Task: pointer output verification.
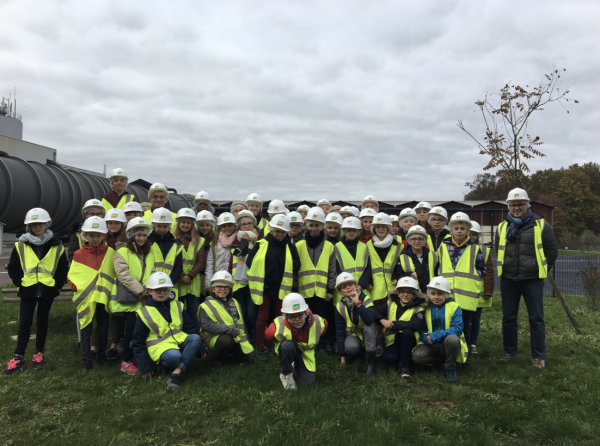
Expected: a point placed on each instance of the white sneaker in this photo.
(288, 381)
(473, 350)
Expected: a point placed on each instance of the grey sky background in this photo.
(294, 99)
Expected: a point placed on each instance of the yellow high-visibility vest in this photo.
(409, 266)
(134, 263)
(312, 280)
(465, 283)
(283, 333)
(449, 310)
(163, 336)
(382, 271)
(189, 260)
(348, 264)
(93, 287)
(125, 198)
(390, 337)
(36, 270)
(165, 265)
(256, 273)
(351, 329)
(219, 315)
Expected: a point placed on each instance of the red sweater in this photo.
(91, 256)
(113, 198)
(297, 335)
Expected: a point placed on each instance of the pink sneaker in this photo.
(38, 361)
(129, 368)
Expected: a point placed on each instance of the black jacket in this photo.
(365, 278)
(141, 332)
(165, 242)
(422, 270)
(275, 263)
(520, 262)
(381, 312)
(437, 241)
(15, 272)
(361, 312)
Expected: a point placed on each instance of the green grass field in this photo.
(491, 404)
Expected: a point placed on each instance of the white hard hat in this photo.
(322, 202)
(281, 222)
(222, 276)
(37, 215)
(335, 208)
(408, 213)
(293, 303)
(381, 218)
(367, 213)
(303, 208)
(355, 210)
(393, 218)
(460, 217)
(245, 213)
(295, 217)
(133, 206)
(476, 227)
(315, 214)
(254, 198)
(439, 283)
(185, 212)
(346, 210)
(276, 207)
(343, 278)
(94, 224)
(236, 203)
(351, 223)
(416, 230)
(423, 205)
(159, 280)
(224, 218)
(334, 217)
(437, 210)
(117, 173)
(161, 215)
(407, 282)
(517, 194)
(115, 215)
(202, 197)
(158, 186)
(370, 199)
(205, 216)
(135, 223)
(93, 203)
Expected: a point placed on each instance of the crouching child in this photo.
(441, 338)
(296, 334)
(164, 333)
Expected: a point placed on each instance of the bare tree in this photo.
(507, 141)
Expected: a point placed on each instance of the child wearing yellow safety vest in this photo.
(354, 318)
(417, 261)
(223, 330)
(255, 203)
(296, 227)
(165, 248)
(407, 219)
(273, 266)
(422, 210)
(296, 334)
(437, 219)
(118, 197)
(333, 227)
(441, 339)
(205, 224)
(164, 333)
(158, 195)
(92, 278)
(38, 266)
(401, 320)
(91, 208)
(189, 286)
(220, 254)
(132, 210)
(133, 263)
(461, 262)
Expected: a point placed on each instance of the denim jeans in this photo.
(249, 309)
(181, 357)
(532, 291)
(191, 308)
(401, 350)
(475, 325)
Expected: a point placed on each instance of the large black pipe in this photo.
(61, 192)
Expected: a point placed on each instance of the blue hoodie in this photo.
(438, 324)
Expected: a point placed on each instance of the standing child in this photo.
(38, 266)
(132, 210)
(366, 219)
(407, 219)
(255, 203)
(422, 209)
(237, 206)
(91, 208)
(133, 265)
(205, 224)
(220, 256)
(333, 227)
(370, 202)
(92, 278)
(116, 222)
(437, 218)
(203, 202)
(395, 224)
(296, 227)
(325, 206)
(117, 198)
(165, 248)
(303, 211)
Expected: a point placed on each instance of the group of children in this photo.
(172, 286)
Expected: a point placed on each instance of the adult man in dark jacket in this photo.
(527, 249)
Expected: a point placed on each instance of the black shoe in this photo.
(173, 382)
(404, 370)
(94, 354)
(217, 365)
(371, 364)
(262, 354)
(112, 355)
(88, 368)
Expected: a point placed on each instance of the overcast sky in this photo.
(294, 99)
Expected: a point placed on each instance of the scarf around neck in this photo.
(516, 223)
(38, 241)
(385, 243)
(313, 242)
(225, 241)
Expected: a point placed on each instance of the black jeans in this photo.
(225, 345)
(401, 350)
(467, 321)
(26, 309)
(101, 317)
(130, 319)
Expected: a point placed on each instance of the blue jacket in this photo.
(141, 332)
(438, 324)
(361, 312)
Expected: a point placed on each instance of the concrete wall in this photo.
(11, 127)
(26, 150)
